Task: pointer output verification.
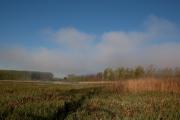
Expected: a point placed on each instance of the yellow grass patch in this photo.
(147, 85)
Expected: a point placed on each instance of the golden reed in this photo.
(147, 84)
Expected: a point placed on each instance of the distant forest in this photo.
(122, 73)
(24, 75)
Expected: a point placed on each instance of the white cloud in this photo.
(121, 42)
(163, 55)
(72, 38)
(116, 48)
(160, 26)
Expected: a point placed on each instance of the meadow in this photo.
(149, 99)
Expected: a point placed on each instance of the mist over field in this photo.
(79, 52)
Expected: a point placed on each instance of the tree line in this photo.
(123, 73)
(24, 75)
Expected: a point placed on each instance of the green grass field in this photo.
(35, 101)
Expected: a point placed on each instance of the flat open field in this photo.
(90, 101)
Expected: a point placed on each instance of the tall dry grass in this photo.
(149, 84)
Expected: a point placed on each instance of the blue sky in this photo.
(95, 33)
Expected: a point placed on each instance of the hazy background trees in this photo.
(122, 73)
(24, 75)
